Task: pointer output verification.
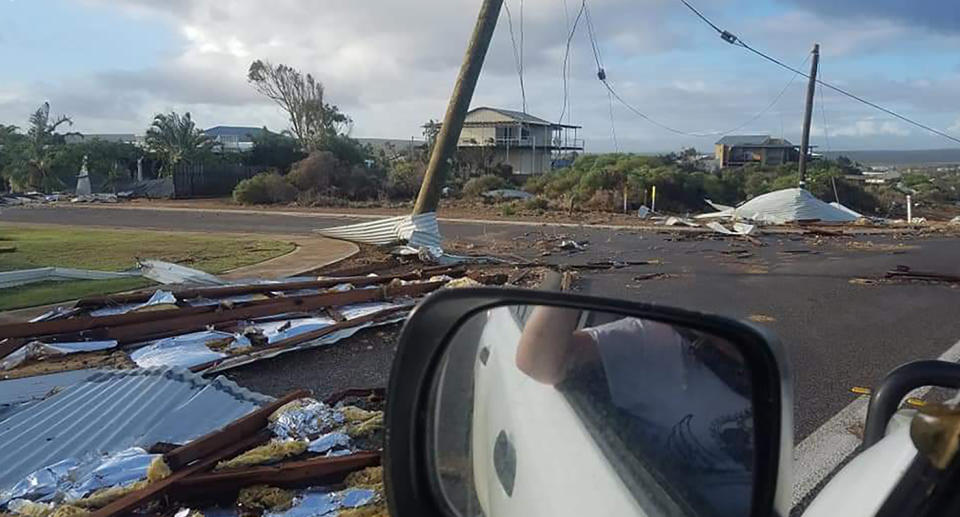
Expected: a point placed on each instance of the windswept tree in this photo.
(312, 121)
(41, 152)
(175, 139)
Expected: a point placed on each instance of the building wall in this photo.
(525, 161)
(476, 135)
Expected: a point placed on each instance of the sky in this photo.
(390, 65)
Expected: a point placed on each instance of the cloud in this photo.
(391, 66)
(940, 15)
(869, 127)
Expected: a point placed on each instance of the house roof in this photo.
(506, 116)
(754, 140)
(239, 131)
(111, 411)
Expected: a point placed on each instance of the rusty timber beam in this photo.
(243, 426)
(303, 338)
(131, 327)
(315, 471)
(138, 498)
(234, 290)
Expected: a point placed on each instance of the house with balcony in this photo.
(528, 144)
(740, 150)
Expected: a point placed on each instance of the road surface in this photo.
(839, 332)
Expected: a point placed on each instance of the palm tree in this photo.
(40, 150)
(176, 139)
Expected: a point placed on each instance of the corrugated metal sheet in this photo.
(43, 274)
(421, 228)
(168, 273)
(113, 411)
(788, 205)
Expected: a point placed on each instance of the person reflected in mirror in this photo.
(679, 400)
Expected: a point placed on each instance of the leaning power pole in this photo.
(808, 114)
(446, 142)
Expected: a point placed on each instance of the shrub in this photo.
(536, 203)
(263, 189)
(404, 179)
(319, 171)
(479, 185)
(508, 209)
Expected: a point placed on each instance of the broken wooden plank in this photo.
(315, 471)
(138, 498)
(126, 328)
(376, 393)
(243, 426)
(234, 290)
(304, 337)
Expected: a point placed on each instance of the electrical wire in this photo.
(602, 75)
(735, 40)
(566, 60)
(823, 114)
(613, 126)
(517, 54)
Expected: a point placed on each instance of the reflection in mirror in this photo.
(556, 411)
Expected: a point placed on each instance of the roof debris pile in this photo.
(170, 442)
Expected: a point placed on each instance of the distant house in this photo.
(527, 143)
(125, 138)
(232, 139)
(739, 150)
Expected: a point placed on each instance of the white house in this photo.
(527, 143)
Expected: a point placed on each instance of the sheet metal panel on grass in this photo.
(112, 411)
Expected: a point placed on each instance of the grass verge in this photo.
(116, 250)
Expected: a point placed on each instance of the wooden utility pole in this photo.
(808, 114)
(446, 142)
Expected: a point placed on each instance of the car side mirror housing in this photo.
(508, 402)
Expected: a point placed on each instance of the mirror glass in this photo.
(540, 410)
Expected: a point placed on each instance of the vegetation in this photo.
(476, 186)
(264, 189)
(116, 250)
(174, 139)
(598, 182)
(312, 121)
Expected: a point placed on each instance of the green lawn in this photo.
(116, 250)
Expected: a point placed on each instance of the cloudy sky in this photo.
(390, 64)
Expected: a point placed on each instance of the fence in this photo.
(200, 180)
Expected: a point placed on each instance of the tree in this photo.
(312, 120)
(176, 139)
(275, 150)
(41, 152)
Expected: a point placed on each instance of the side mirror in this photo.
(508, 402)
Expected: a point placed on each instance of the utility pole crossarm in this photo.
(446, 141)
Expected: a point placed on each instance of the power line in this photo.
(566, 60)
(823, 114)
(735, 40)
(602, 75)
(613, 126)
(517, 54)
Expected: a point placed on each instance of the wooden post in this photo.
(446, 144)
(808, 114)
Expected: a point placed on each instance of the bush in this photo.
(479, 185)
(404, 179)
(263, 189)
(536, 203)
(319, 171)
(508, 209)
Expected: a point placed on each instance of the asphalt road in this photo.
(837, 333)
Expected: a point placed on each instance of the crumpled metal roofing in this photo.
(44, 274)
(788, 205)
(112, 411)
(416, 230)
